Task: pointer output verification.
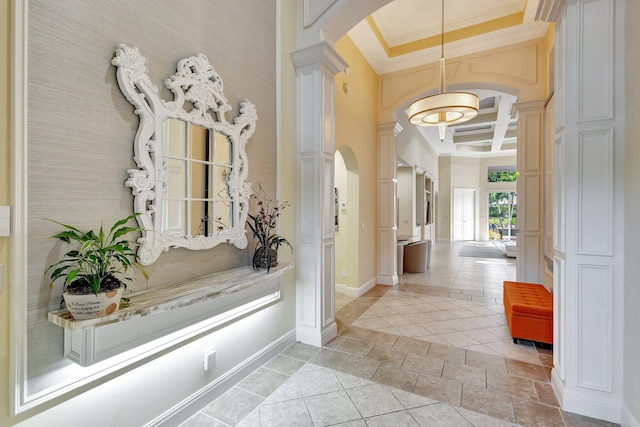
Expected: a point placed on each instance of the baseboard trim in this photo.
(355, 292)
(388, 280)
(194, 403)
(628, 420)
(577, 403)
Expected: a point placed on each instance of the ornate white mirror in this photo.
(189, 187)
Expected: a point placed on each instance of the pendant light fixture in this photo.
(444, 108)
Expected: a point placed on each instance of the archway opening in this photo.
(347, 214)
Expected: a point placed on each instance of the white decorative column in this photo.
(315, 290)
(589, 199)
(387, 223)
(530, 187)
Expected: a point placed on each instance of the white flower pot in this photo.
(90, 306)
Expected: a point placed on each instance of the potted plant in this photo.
(96, 269)
(263, 225)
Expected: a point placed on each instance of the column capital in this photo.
(390, 126)
(526, 106)
(321, 54)
(550, 10)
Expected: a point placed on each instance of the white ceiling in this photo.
(407, 33)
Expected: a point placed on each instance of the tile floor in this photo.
(433, 351)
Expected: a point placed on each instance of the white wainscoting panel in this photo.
(328, 286)
(559, 196)
(307, 277)
(595, 317)
(595, 193)
(531, 195)
(595, 76)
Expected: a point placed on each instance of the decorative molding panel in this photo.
(328, 297)
(560, 79)
(308, 187)
(533, 140)
(307, 272)
(559, 197)
(595, 193)
(328, 205)
(595, 61)
(314, 9)
(531, 252)
(521, 62)
(559, 320)
(532, 202)
(595, 317)
(397, 88)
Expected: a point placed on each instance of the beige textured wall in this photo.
(355, 126)
(632, 207)
(80, 145)
(5, 182)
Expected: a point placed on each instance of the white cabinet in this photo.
(416, 209)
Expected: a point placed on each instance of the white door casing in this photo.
(464, 207)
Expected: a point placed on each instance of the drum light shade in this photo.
(444, 108)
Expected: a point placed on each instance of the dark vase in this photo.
(265, 258)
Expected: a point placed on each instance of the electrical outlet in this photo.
(344, 272)
(209, 360)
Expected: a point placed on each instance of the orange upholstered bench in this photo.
(529, 311)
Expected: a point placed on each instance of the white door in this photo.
(464, 206)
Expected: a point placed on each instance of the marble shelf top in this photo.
(159, 300)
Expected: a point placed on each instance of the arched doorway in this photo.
(347, 189)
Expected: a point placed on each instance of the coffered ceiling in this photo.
(407, 33)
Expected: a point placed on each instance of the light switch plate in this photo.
(209, 360)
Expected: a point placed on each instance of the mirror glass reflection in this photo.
(197, 200)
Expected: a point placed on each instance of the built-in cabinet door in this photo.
(464, 202)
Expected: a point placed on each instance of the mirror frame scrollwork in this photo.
(198, 99)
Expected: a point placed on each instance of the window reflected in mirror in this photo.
(198, 200)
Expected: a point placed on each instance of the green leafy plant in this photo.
(263, 225)
(98, 261)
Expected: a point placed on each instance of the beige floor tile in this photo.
(465, 374)
(487, 361)
(546, 394)
(355, 346)
(318, 381)
(430, 365)
(412, 345)
(527, 370)
(331, 408)
(387, 355)
(458, 339)
(284, 364)
(263, 381)
(488, 401)
(374, 400)
(530, 413)
(294, 411)
(396, 419)
(395, 376)
(513, 386)
(481, 336)
(439, 414)
(233, 406)
(439, 388)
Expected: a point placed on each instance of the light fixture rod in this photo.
(444, 108)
